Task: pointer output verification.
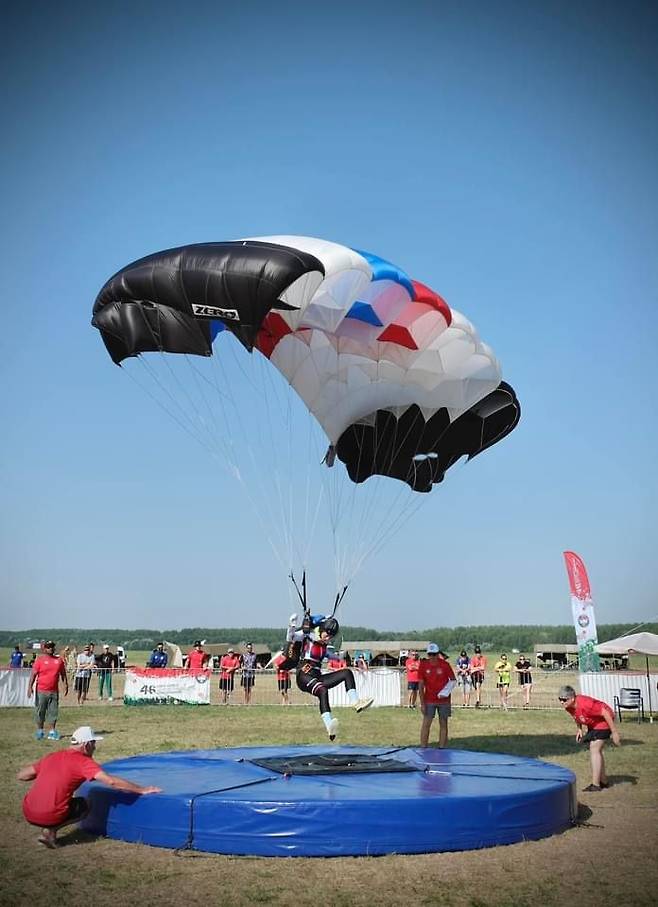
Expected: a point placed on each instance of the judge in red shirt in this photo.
(436, 682)
(47, 671)
(197, 659)
(50, 803)
(411, 665)
(597, 719)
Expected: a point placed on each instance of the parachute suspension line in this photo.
(260, 501)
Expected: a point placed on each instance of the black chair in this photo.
(630, 699)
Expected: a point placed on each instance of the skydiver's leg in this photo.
(313, 682)
(345, 675)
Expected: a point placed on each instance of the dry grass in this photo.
(609, 857)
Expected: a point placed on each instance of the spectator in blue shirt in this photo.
(16, 660)
(158, 657)
(464, 677)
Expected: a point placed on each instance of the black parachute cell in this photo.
(419, 451)
(168, 300)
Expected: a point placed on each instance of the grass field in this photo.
(610, 856)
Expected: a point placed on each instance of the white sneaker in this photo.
(110, 699)
(363, 704)
(332, 728)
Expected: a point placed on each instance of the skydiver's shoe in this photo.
(363, 704)
(39, 734)
(332, 728)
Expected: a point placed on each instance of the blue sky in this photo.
(503, 153)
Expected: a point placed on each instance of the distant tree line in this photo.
(494, 637)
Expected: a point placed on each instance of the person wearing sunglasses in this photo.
(596, 724)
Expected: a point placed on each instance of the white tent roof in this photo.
(642, 643)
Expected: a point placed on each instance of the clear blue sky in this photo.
(503, 153)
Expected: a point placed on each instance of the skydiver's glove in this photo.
(292, 620)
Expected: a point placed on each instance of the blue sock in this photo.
(353, 697)
(326, 717)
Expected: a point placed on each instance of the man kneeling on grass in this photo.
(50, 803)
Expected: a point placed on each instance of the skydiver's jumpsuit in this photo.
(310, 678)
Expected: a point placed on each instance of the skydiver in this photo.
(310, 678)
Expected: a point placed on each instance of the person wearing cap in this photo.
(158, 658)
(197, 659)
(16, 658)
(436, 683)
(477, 667)
(597, 720)
(228, 665)
(85, 663)
(524, 669)
(106, 663)
(49, 803)
(47, 672)
(411, 666)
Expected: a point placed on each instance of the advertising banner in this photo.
(582, 608)
(166, 686)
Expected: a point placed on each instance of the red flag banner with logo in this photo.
(582, 608)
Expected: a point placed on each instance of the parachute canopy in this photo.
(400, 382)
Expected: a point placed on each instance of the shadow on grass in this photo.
(535, 745)
(77, 836)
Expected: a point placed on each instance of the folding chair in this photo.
(630, 699)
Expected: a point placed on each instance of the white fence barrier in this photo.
(382, 684)
(606, 686)
(13, 688)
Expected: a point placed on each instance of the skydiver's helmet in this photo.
(330, 626)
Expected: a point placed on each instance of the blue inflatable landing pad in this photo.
(313, 801)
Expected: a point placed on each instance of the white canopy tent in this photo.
(633, 644)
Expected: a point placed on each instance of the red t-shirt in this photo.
(59, 775)
(196, 661)
(435, 675)
(412, 665)
(228, 666)
(47, 670)
(282, 675)
(478, 664)
(590, 712)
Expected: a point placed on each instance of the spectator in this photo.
(283, 683)
(464, 677)
(411, 666)
(85, 663)
(197, 659)
(106, 663)
(158, 658)
(33, 659)
(436, 682)
(16, 658)
(248, 678)
(597, 719)
(46, 674)
(228, 665)
(503, 671)
(524, 669)
(360, 663)
(50, 803)
(478, 667)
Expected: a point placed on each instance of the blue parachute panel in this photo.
(386, 270)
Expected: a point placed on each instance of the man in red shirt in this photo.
(411, 665)
(197, 659)
(47, 671)
(228, 665)
(50, 803)
(597, 719)
(436, 682)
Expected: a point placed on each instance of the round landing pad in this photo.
(316, 801)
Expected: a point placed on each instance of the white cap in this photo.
(84, 735)
(432, 649)
(292, 620)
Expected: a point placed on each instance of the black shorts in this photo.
(226, 684)
(596, 735)
(477, 677)
(412, 684)
(283, 684)
(81, 684)
(247, 681)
